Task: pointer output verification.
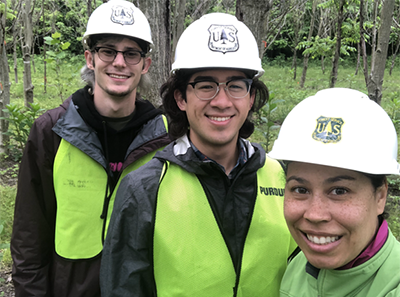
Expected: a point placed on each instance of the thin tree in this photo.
(335, 62)
(15, 28)
(395, 52)
(310, 34)
(26, 50)
(375, 78)
(298, 16)
(362, 41)
(4, 80)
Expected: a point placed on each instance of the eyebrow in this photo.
(296, 178)
(327, 181)
(339, 178)
(210, 78)
(112, 46)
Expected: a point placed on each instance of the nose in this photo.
(318, 210)
(222, 99)
(119, 59)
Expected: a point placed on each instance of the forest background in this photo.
(305, 46)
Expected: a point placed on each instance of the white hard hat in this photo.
(118, 17)
(340, 128)
(217, 40)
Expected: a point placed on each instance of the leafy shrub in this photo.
(20, 122)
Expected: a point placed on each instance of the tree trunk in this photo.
(298, 16)
(179, 22)
(335, 62)
(358, 59)
(4, 82)
(397, 46)
(26, 51)
(294, 64)
(307, 56)
(89, 7)
(394, 57)
(362, 42)
(15, 38)
(15, 62)
(374, 30)
(202, 8)
(158, 14)
(44, 53)
(375, 80)
(254, 14)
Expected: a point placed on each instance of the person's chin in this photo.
(119, 93)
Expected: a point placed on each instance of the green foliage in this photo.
(58, 59)
(5, 258)
(318, 47)
(7, 202)
(10, 14)
(11, 171)
(325, 47)
(265, 124)
(20, 122)
(393, 208)
(394, 108)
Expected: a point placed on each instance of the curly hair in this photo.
(178, 122)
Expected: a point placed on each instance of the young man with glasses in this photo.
(76, 156)
(205, 216)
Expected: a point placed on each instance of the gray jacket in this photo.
(127, 268)
(37, 269)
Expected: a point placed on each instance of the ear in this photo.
(179, 100)
(380, 195)
(89, 59)
(252, 98)
(146, 65)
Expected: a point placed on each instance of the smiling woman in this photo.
(335, 196)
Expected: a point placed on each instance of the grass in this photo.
(69, 76)
(279, 79)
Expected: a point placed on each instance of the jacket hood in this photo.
(144, 111)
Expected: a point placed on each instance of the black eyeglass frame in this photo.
(248, 81)
(142, 54)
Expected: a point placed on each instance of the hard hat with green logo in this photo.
(340, 128)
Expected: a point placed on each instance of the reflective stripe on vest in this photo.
(190, 254)
(80, 186)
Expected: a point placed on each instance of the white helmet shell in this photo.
(340, 128)
(118, 17)
(217, 40)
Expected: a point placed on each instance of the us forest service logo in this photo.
(328, 130)
(223, 38)
(122, 15)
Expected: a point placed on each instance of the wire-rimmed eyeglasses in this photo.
(132, 57)
(208, 89)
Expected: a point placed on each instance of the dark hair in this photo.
(178, 122)
(378, 180)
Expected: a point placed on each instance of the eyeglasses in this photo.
(132, 57)
(208, 89)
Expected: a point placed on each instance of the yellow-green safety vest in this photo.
(80, 184)
(190, 254)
